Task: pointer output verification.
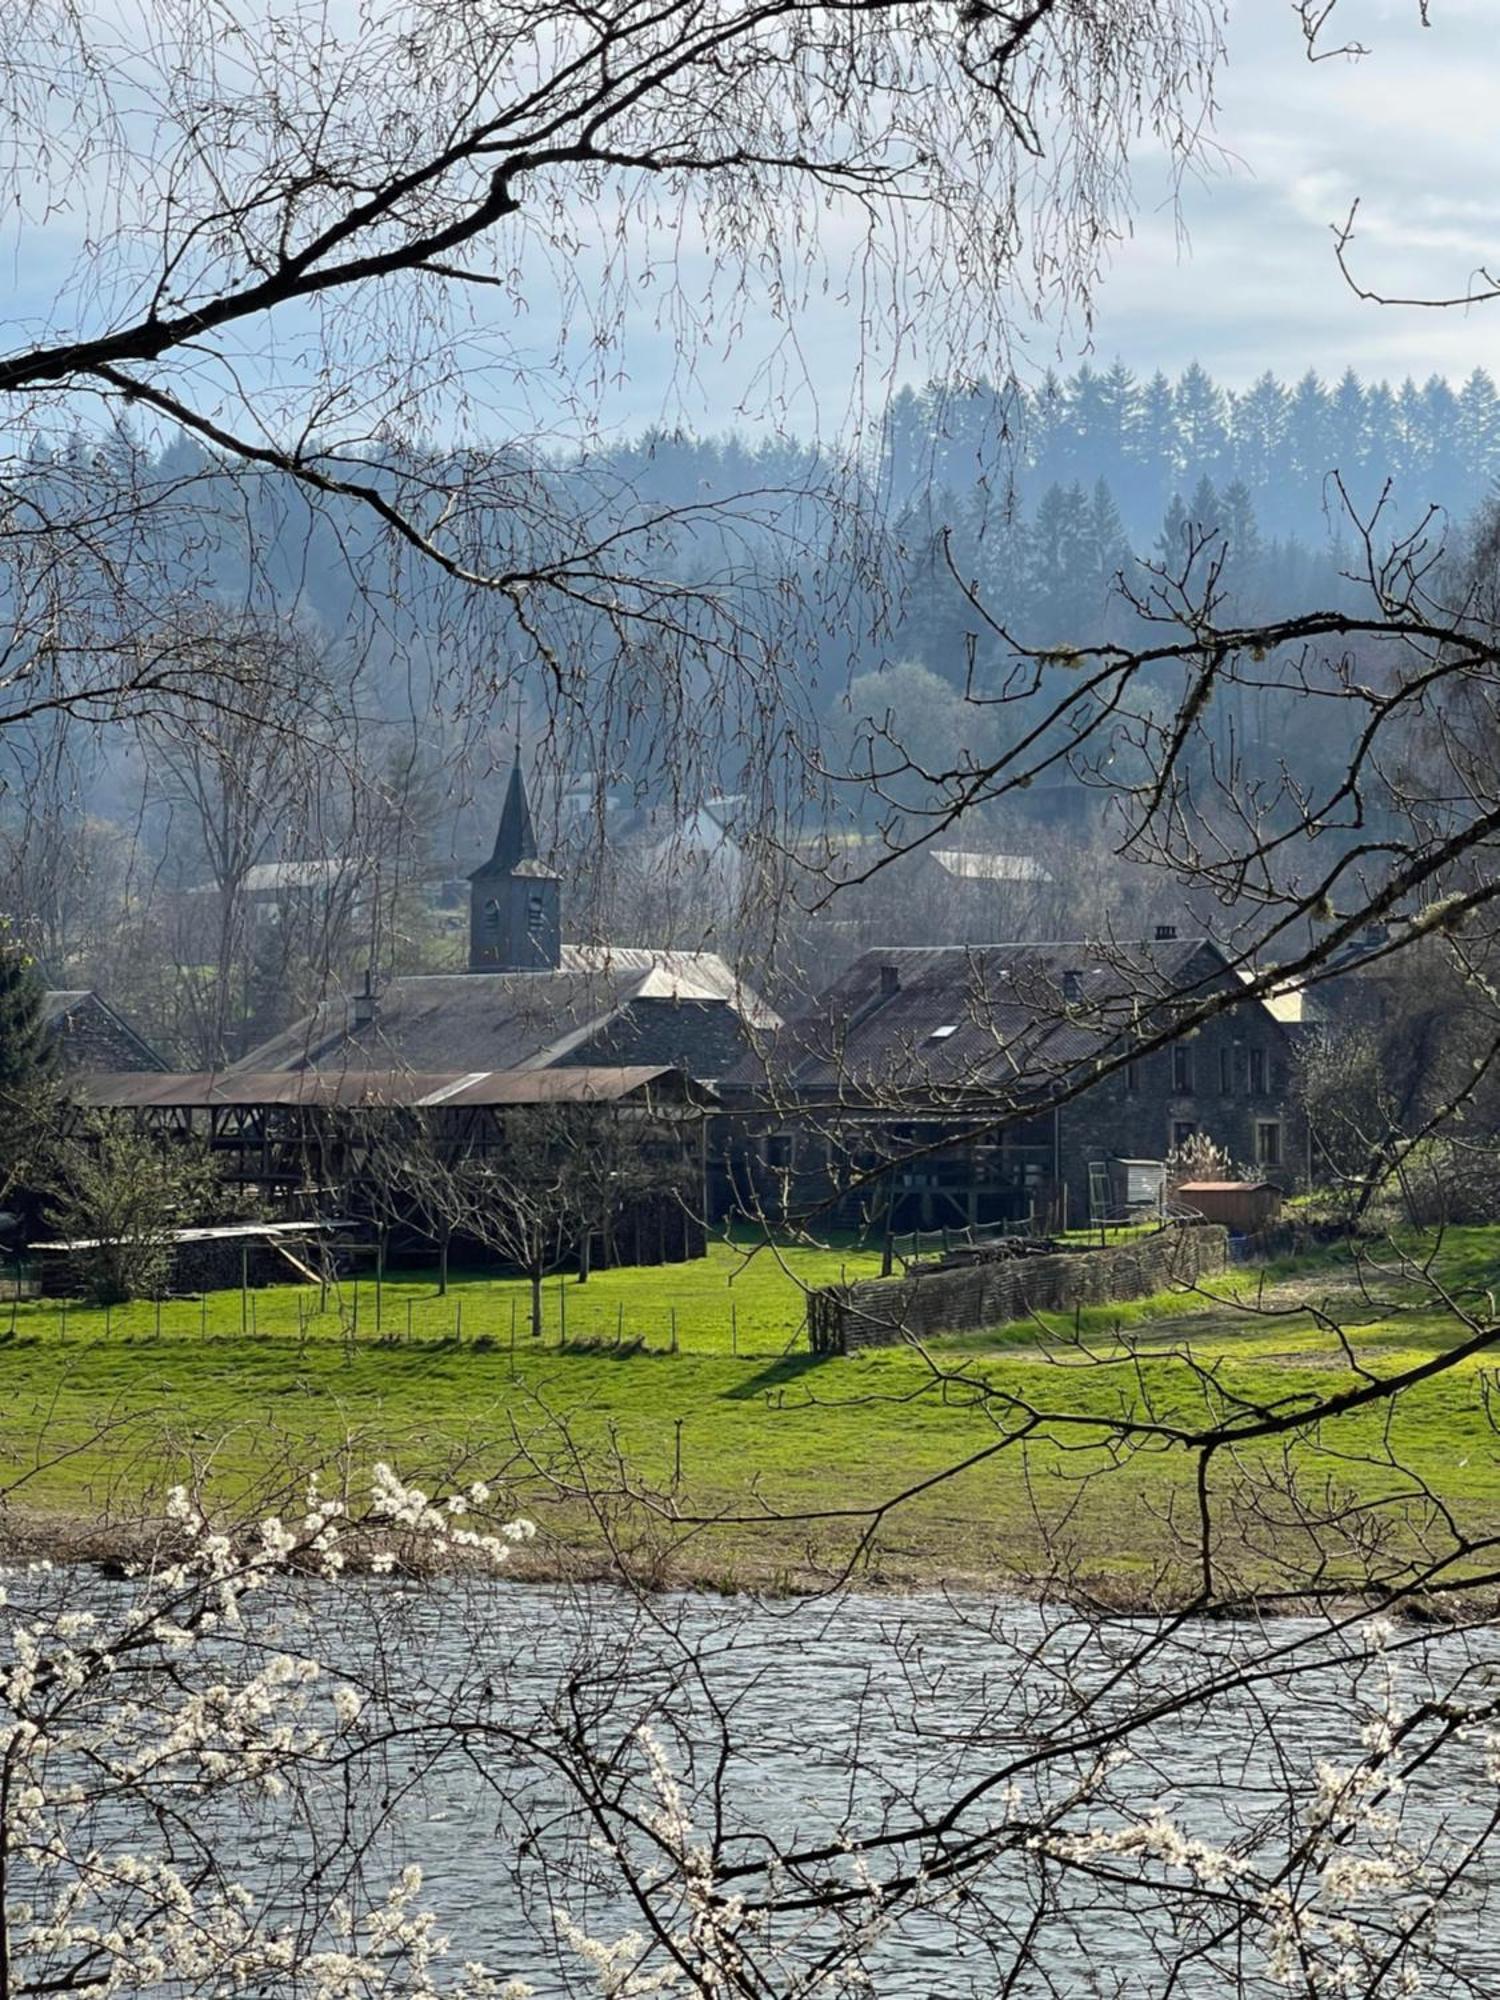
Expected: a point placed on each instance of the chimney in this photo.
(364, 1002)
(890, 981)
(1165, 933)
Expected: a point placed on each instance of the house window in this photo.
(536, 913)
(1267, 1143)
(1257, 1072)
(1182, 1069)
(1182, 1130)
(1226, 1072)
(779, 1150)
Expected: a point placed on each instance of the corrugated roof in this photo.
(351, 1088)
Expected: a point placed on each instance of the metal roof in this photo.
(350, 1088)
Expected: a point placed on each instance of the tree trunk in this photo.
(536, 1305)
(443, 1265)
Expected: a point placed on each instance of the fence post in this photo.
(620, 1324)
(408, 1322)
(244, 1282)
(562, 1311)
(734, 1328)
(674, 1339)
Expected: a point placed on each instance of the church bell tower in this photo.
(515, 903)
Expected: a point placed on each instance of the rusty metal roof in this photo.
(352, 1087)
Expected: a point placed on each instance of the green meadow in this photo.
(672, 1419)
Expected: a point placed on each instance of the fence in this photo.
(882, 1312)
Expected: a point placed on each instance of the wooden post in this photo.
(458, 1319)
(158, 1317)
(203, 1315)
(562, 1311)
(513, 1310)
(408, 1322)
(674, 1332)
(355, 1328)
(734, 1327)
(244, 1283)
(379, 1274)
(253, 1328)
(63, 1333)
(677, 1456)
(620, 1324)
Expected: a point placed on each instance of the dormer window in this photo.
(942, 1034)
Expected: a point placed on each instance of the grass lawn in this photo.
(741, 1420)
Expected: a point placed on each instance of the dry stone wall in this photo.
(881, 1312)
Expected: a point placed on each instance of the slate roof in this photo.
(953, 1021)
(87, 1034)
(601, 1007)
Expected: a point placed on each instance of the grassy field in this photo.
(740, 1421)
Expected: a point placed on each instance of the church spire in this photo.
(516, 840)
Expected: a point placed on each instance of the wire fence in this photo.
(360, 1310)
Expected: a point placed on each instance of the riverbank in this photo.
(995, 1462)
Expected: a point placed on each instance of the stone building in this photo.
(902, 1094)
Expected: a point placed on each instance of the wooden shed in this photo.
(1242, 1206)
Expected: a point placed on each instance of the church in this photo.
(528, 1000)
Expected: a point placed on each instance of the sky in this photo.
(1239, 271)
(1410, 129)
(1238, 274)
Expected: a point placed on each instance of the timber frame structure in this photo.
(309, 1138)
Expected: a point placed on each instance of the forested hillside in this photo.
(885, 595)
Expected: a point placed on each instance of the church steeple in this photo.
(516, 841)
(515, 916)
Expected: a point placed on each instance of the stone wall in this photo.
(882, 1312)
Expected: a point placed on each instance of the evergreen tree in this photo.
(1172, 542)
(1107, 549)
(1479, 427)
(1202, 432)
(24, 1052)
(1348, 437)
(1309, 450)
(1260, 433)
(1158, 433)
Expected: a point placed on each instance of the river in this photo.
(847, 1721)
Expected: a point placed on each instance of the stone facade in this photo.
(884, 1312)
(1231, 1081)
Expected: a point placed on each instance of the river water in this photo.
(835, 1721)
(497, 1715)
